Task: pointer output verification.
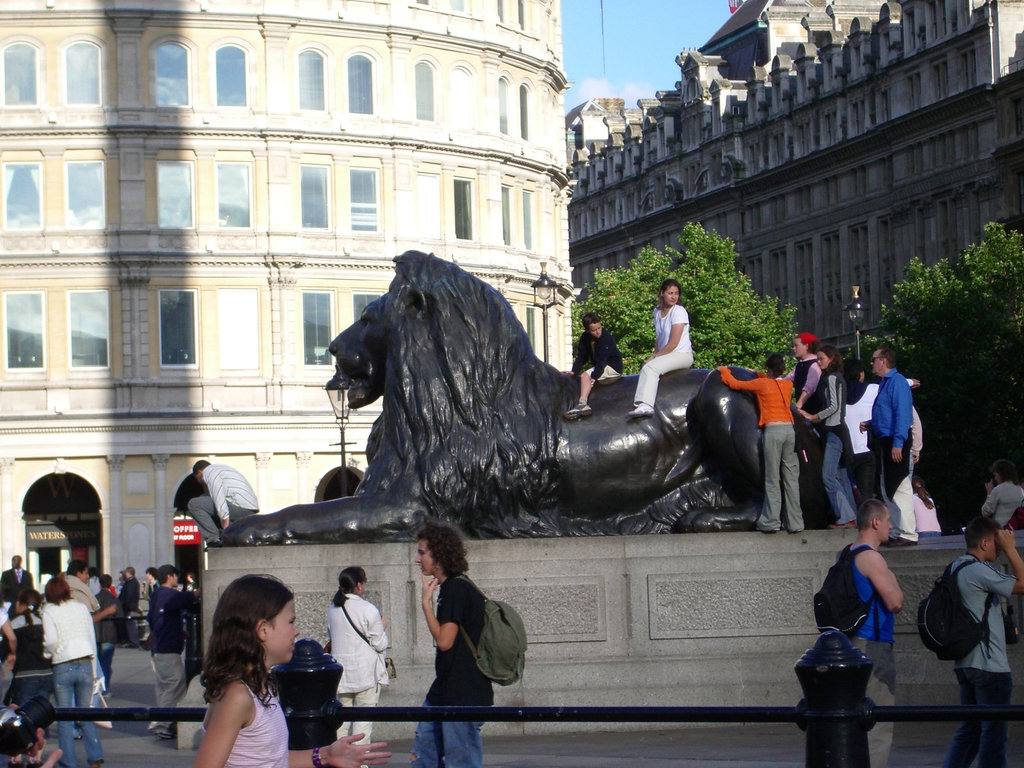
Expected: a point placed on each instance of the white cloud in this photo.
(592, 88)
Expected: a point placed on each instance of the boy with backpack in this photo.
(441, 556)
(984, 673)
(877, 586)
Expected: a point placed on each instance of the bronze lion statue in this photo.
(471, 432)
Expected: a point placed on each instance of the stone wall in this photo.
(633, 620)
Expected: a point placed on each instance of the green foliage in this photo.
(958, 326)
(729, 323)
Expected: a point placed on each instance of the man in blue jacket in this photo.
(166, 609)
(596, 348)
(891, 420)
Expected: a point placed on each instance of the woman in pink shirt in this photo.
(924, 509)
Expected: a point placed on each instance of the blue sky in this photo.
(642, 39)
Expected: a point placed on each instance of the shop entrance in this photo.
(62, 523)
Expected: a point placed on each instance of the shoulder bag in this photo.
(389, 664)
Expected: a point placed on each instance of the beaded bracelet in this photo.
(316, 758)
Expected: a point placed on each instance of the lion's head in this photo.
(460, 386)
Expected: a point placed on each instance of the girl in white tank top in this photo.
(254, 631)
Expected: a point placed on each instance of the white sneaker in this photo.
(643, 409)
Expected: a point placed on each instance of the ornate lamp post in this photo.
(544, 297)
(337, 393)
(855, 311)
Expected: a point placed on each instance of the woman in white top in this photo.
(1004, 494)
(358, 640)
(672, 350)
(69, 638)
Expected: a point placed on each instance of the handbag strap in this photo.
(355, 628)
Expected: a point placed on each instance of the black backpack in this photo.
(837, 605)
(943, 621)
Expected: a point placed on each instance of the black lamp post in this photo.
(544, 297)
(855, 311)
(337, 393)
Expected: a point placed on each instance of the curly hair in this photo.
(446, 546)
(235, 651)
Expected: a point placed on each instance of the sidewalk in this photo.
(129, 745)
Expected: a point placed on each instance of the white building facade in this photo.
(199, 195)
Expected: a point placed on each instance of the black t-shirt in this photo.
(459, 682)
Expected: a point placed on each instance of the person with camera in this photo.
(984, 673)
(1004, 492)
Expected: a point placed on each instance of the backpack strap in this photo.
(989, 599)
(462, 629)
(852, 552)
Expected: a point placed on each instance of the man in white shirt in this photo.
(230, 498)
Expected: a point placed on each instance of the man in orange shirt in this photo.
(779, 443)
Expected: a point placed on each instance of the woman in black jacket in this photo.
(33, 674)
(831, 423)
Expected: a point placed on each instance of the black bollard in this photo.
(834, 677)
(307, 686)
(193, 641)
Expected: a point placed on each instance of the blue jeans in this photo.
(106, 658)
(985, 739)
(837, 484)
(72, 687)
(453, 745)
(24, 688)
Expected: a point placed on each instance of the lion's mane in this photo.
(457, 418)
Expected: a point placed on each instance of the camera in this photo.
(18, 726)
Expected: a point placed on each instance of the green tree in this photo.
(729, 323)
(958, 326)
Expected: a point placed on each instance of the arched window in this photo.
(461, 106)
(172, 75)
(19, 75)
(360, 85)
(524, 111)
(311, 81)
(503, 105)
(424, 91)
(82, 74)
(231, 90)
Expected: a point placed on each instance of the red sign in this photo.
(734, 5)
(186, 532)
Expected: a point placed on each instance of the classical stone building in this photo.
(832, 141)
(199, 194)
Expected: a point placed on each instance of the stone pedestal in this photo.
(703, 619)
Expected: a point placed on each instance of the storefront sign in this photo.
(68, 535)
(186, 533)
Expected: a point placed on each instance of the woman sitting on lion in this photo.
(672, 350)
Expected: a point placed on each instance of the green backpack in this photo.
(501, 652)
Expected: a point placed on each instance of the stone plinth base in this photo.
(702, 619)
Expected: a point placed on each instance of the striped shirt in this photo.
(226, 484)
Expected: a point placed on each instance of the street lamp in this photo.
(544, 297)
(855, 311)
(337, 393)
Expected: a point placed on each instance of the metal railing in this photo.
(834, 713)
